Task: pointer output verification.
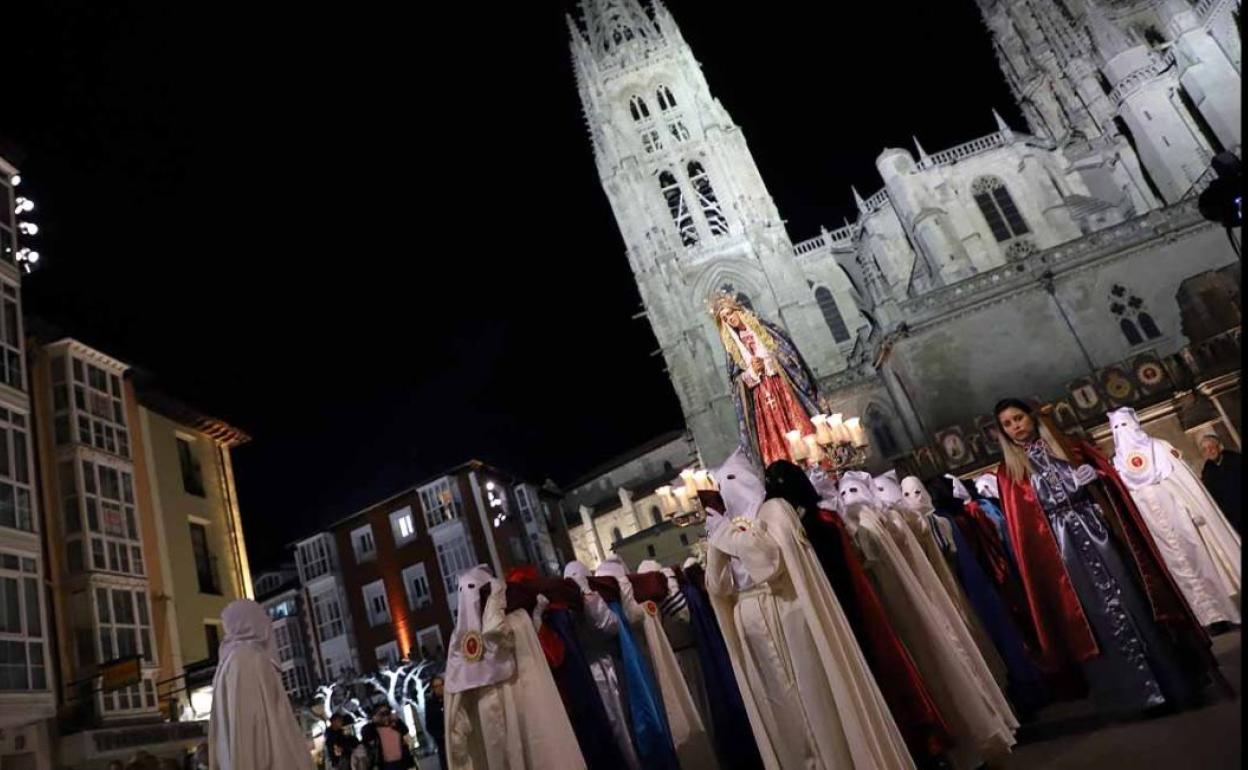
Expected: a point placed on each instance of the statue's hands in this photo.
(1085, 475)
(758, 366)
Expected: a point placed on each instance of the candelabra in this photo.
(837, 444)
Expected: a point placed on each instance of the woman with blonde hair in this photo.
(1100, 596)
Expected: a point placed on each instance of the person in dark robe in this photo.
(1222, 476)
(732, 734)
(435, 717)
(569, 665)
(1026, 688)
(1100, 595)
(922, 727)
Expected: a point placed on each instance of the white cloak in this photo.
(689, 736)
(1200, 547)
(808, 692)
(964, 690)
(518, 723)
(252, 726)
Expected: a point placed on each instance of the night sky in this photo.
(377, 242)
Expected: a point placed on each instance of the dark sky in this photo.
(377, 242)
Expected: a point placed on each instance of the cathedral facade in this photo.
(1030, 261)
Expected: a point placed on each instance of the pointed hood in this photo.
(477, 657)
(914, 496)
(887, 488)
(1137, 458)
(740, 486)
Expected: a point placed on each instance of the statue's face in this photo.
(731, 317)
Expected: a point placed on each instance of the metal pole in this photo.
(1046, 281)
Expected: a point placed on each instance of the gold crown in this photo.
(722, 300)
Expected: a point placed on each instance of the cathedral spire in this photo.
(858, 201)
(614, 25)
(1002, 127)
(919, 147)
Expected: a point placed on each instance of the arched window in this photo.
(666, 100)
(616, 535)
(1130, 332)
(656, 515)
(831, 314)
(677, 207)
(706, 199)
(637, 106)
(998, 208)
(1134, 320)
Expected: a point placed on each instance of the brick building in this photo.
(398, 560)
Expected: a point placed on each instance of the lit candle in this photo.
(687, 476)
(797, 450)
(837, 426)
(856, 433)
(823, 433)
(682, 499)
(666, 498)
(812, 447)
(701, 480)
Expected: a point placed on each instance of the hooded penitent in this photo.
(1024, 683)
(1200, 547)
(688, 732)
(921, 549)
(954, 671)
(599, 628)
(809, 694)
(503, 710)
(252, 726)
(912, 707)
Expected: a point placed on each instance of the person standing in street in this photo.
(1221, 476)
(435, 718)
(384, 740)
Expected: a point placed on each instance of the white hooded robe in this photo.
(809, 695)
(252, 726)
(1200, 547)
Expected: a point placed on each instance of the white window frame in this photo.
(364, 544)
(455, 555)
(412, 575)
(427, 632)
(440, 501)
(376, 604)
(403, 525)
(24, 572)
(387, 653)
(314, 556)
(333, 626)
(286, 640)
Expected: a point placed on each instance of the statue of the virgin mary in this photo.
(773, 389)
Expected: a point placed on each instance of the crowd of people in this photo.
(839, 621)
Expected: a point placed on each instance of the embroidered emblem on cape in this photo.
(473, 646)
(1136, 461)
(742, 523)
(652, 609)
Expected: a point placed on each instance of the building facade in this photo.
(333, 635)
(911, 316)
(144, 549)
(286, 603)
(382, 583)
(28, 683)
(616, 508)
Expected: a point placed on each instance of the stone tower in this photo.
(1159, 80)
(691, 206)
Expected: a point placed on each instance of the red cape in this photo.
(1062, 631)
